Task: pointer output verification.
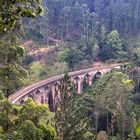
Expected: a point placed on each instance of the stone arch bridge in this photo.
(46, 91)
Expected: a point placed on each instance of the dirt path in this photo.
(35, 51)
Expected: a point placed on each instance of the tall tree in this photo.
(112, 46)
(11, 16)
(71, 123)
(66, 95)
(113, 40)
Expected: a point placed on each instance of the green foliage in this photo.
(113, 40)
(118, 87)
(75, 22)
(48, 130)
(114, 138)
(24, 122)
(112, 48)
(136, 54)
(70, 122)
(2, 136)
(8, 115)
(58, 68)
(28, 131)
(83, 21)
(62, 55)
(11, 16)
(34, 35)
(11, 73)
(32, 111)
(39, 71)
(11, 12)
(89, 135)
(138, 129)
(36, 72)
(18, 122)
(82, 54)
(36, 68)
(11, 78)
(78, 122)
(74, 57)
(111, 93)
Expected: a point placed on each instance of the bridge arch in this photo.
(38, 92)
(47, 90)
(50, 101)
(31, 96)
(96, 76)
(56, 92)
(56, 83)
(22, 101)
(87, 80)
(47, 97)
(78, 83)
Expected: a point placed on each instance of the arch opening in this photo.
(86, 81)
(76, 80)
(22, 102)
(47, 98)
(97, 75)
(38, 92)
(31, 96)
(50, 101)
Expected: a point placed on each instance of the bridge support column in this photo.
(90, 81)
(53, 94)
(80, 86)
(37, 97)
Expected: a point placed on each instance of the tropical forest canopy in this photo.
(83, 32)
(40, 39)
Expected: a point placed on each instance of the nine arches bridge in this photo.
(46, 91)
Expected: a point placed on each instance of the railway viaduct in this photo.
(46, 91)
